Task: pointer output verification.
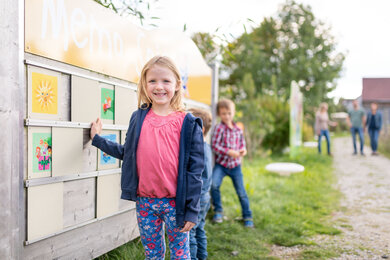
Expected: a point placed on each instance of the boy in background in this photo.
(198, 238)
(228, 144)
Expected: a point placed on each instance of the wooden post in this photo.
(11, 134)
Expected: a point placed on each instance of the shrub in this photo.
(277, 137)
(384, 143)
(307, 132)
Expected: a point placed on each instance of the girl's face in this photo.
(161, 85)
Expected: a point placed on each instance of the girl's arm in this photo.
(194, 176)
(112, 148)
(331, 123)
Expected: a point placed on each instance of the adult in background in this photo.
(374, 125)
(356, 120)
(321, 126)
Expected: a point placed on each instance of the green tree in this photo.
(309, 54)
(212, 45)
(266, 119)
(253, 133)
(255, 53)
(294, 45)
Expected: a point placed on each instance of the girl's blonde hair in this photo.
(144, 100)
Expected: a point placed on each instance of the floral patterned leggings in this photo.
(151, 213)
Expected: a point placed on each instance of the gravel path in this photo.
(364, 217)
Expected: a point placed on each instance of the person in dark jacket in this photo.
(374, 125)
(163, 159)
(198, 237)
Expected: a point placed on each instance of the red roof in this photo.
(376, 89)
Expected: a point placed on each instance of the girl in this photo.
(321, 126)
(162, 161)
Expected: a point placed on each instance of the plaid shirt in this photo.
(225, 139)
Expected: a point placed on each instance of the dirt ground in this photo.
(364, 216)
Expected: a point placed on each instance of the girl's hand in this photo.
(96, 127)
(187, 226)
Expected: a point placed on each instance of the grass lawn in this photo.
(384, 144)
(286, 211)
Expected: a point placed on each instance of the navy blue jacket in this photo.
(378, 120)
(191, 163)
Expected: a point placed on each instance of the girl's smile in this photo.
(161, 86)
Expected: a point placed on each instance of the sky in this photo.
(361, 28)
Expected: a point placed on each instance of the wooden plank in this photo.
(65, 99)
(108, 194)
(126, 204)
(86, 242)
(126, 102)
(79, 201)
(89, 153)
(67, 151)
(44, 210)
(85, 99)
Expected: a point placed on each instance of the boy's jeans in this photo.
(326, 134)
(354, 131)
(374, 135)
(198, 238)
(219, 172)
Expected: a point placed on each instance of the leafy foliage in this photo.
(207, 45)
(266, 119)
(258, 68)
(137, 8)
(212, 45)
(292, 46)
(277, 139)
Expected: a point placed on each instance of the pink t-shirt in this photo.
(158, 155)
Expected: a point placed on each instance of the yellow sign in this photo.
(44, 93)
(87, 35)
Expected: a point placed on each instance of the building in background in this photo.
(377, 90)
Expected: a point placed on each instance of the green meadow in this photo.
(287, 211)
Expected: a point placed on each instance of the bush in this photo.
(307, 132)
(384, 143)
(341, 126)
(266, 118)
(277, 137)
